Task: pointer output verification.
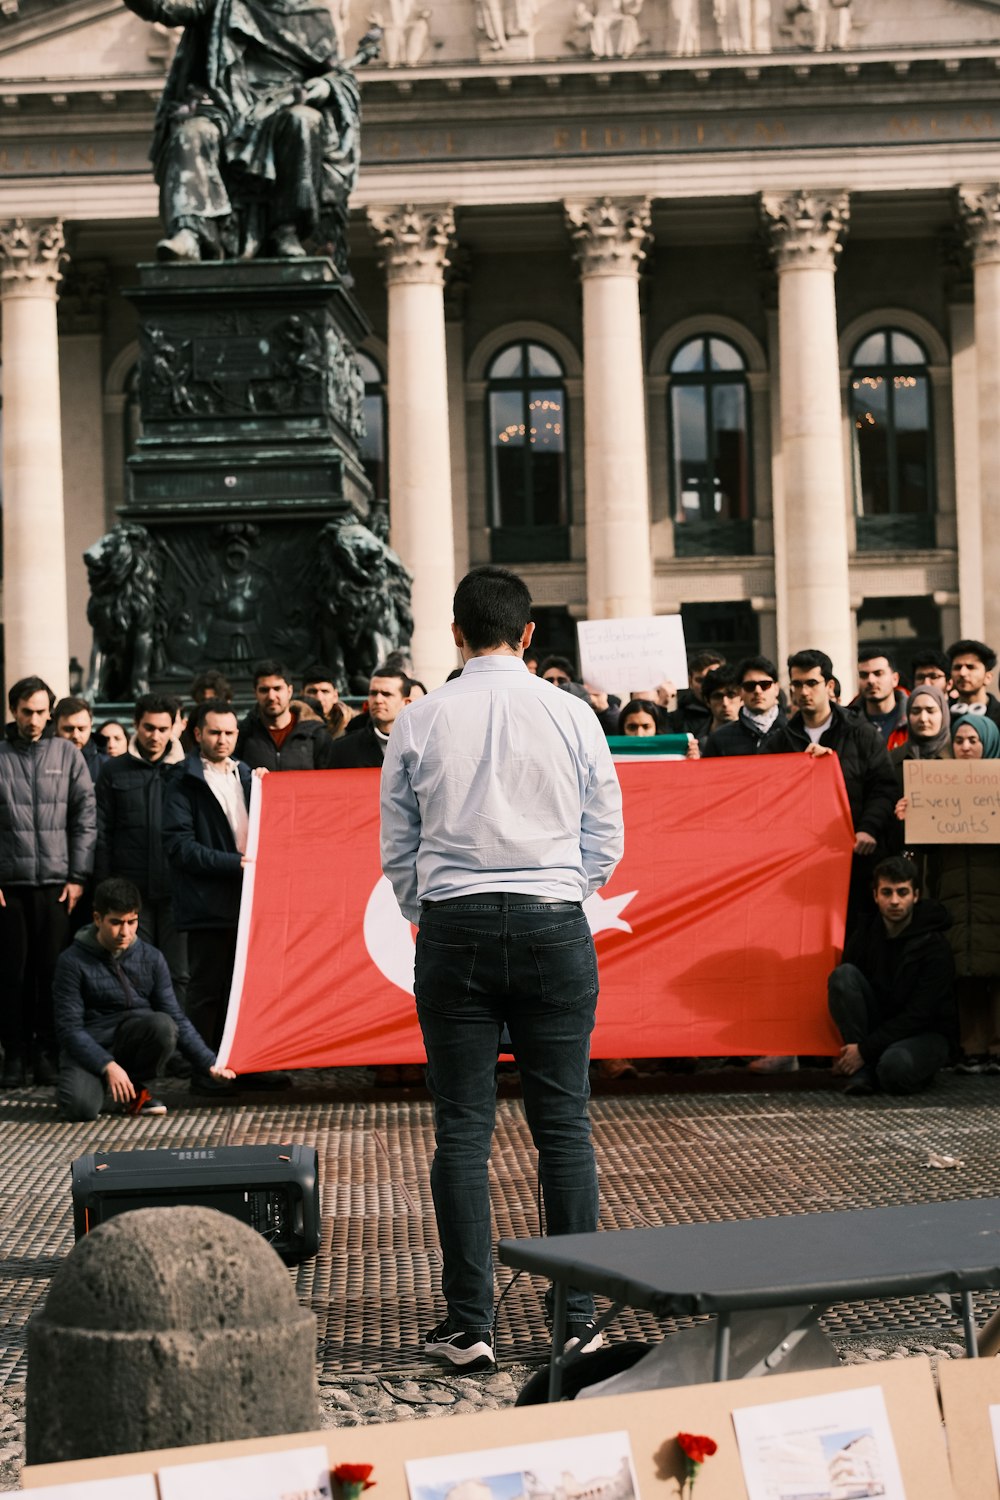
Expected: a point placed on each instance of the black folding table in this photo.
(784, 1261)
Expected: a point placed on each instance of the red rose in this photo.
(697, 1449)
(354, 1475)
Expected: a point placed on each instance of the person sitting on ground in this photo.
(972, 665)
(723, 698)
(892, 998)
(760, 716)
(73, 721)
(117, 1019)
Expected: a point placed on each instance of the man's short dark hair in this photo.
(757, 664)
(117, 894)
(27, 687)
(319, 673)
(870, 650)
(986, 654)
(718, 679)
(268, 668)
(213, 683)
(156, 703)
(209, 706)
(897, 869)
(805, 661)
(66, 707)
(492, 607)
(386, 669)
(561, 663)
(700, 661)
(931, 658)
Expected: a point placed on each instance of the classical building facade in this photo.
(678, 305)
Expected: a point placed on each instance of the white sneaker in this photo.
(583, 1336)
(774, 1065)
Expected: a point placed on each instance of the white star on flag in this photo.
(604, 913)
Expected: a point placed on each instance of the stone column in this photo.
(610, 236)
(414, 243)
(35, 615)
(805, 231)
(979, 208)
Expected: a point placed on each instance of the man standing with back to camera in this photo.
(501, 814)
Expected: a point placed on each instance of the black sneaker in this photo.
(583, 1336)
(860, 1083)
(973, 1062)
(473, 1351)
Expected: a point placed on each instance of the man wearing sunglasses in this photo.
(759, 717)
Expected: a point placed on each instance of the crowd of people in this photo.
(122, 850)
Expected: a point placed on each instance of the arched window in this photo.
(131, 414)
(373, 444)
(527, 455)
(893, 458)
(710, 449)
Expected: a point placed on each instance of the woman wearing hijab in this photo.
(928, 721)
(965, 878)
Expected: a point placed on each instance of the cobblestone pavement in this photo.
(670, 1149)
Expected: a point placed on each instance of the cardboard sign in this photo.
(952, 801)
(621, 656)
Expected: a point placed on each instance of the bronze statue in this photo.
(256, 146)
(123, 569)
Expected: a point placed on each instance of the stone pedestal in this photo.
(246, 477)
(610, 236)
(167, 1327)
(805, 231)
(979, 207)
(36, 634)
(414, 244)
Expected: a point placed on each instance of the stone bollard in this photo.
(166, 1327)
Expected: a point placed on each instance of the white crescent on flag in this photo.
(390, 942)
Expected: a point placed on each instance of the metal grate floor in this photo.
(663, 1158)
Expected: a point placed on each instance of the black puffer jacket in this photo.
(741, 737)
(130, 820)
(206, 869)
(91, 999)
(691, 716)
(864, 761)
(48, 824)
(307, 747)
(913, 984)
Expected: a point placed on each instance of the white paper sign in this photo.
(619, 656)
(302, 1473)
(827, 1447)
(995, 1424)
(128, 1487)
(598, 1465)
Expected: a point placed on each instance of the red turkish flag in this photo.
(714, 938)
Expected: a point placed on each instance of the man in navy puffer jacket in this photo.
(117, 1020)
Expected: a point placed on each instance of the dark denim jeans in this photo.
(483, 961)
(905, 1066)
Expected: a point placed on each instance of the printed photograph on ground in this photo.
(598, 1467)
(833, 1447)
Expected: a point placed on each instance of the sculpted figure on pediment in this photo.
(406, 27)
(256, 145)
(610, 27)
(820, 25)
(743, 25)
(686, 14)
(509, 27)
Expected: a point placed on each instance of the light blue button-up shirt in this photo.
(498, 781)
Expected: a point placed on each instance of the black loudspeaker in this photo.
(274, 1189)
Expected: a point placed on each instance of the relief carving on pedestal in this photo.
(125, 571)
